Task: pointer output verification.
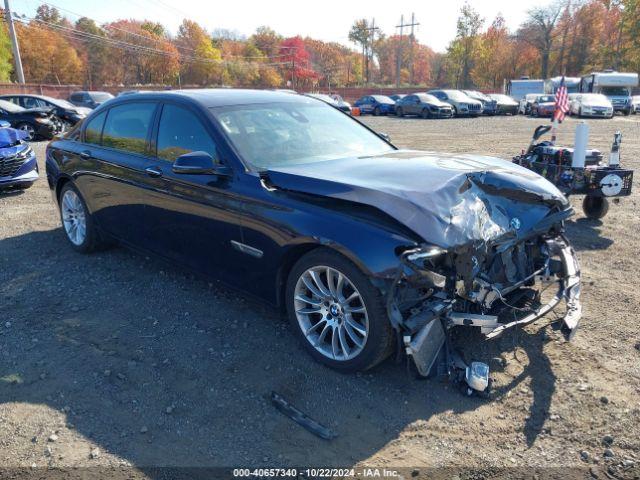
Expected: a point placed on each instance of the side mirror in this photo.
(4, 124)
(384, 136)
(199, 163)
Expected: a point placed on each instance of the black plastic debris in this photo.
(300, 418)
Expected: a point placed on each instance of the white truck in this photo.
(616, 86)
(518, 89)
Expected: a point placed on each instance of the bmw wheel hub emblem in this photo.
(515, 223)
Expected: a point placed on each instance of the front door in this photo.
(192, 218)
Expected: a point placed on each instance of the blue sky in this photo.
(327, 20)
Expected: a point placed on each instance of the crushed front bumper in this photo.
(426, 341)
(568, 290)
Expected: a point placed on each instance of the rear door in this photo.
(192, 218)
(113, 162)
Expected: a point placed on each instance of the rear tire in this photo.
(595, 208)
(426, 113)
(309, 325)
(77, 223)
(399, 112)
(377, 112)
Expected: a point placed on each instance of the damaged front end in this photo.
(509, 271)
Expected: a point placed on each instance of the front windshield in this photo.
(427, 97)
(623, 91)
(382, 99)
(10, 107)
(545, 99)
(101, 96)
(457, 96)
(594, 97)
(290, 133)
(61, 103)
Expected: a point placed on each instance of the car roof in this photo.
(215, 97)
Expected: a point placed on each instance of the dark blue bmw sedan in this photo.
(365, 246)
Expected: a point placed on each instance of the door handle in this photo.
(85, 155)
(153, 171)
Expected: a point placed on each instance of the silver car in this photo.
(462, 104)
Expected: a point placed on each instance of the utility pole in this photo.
(14, 42)
(369, 55)
(399, 49)
(413, 41)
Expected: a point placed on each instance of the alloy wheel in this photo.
(29, 130)
(331, 313)
(74, 217)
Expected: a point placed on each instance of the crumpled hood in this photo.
(10, 137)
(448, 200)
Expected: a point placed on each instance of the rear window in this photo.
(94, 129)
(127, 126)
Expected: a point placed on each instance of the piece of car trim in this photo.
(300, 418)
(241, 247)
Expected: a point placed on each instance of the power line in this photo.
(70, 32)
(106, 26)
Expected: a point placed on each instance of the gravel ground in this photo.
(116, 359)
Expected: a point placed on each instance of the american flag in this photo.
(562, 102)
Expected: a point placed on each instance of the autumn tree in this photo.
(539, 31)
(360, 34)
(267, 41)
(6, 58)
(297, 68)
(630, 42)
(201, 62)
(94, 51)
(47, 57)
(463, 49)
(492, 63)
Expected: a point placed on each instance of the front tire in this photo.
(377, 112)
(426, 113)
(77, 222)
(399, 112)
(595, 208)
(337, 313)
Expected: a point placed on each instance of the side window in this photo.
(127, 127)
(94, 129)
(30, 102)
(76, 97)
(181, 132)
(15, 100)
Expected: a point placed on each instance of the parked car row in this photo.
(580, 104)
(438, 103)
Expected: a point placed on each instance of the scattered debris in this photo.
(95, 453)
(144, 429)
(300, 418)
(607, 440)
(53, 437)
(608, 453)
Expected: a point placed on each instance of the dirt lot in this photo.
(115, 359)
